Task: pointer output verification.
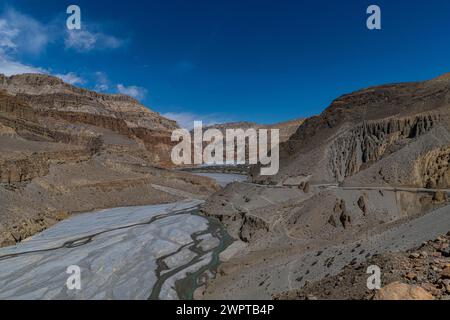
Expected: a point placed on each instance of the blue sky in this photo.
(263, 61)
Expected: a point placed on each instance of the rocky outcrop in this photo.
(19, 116)
(32, 96)
(252, 226)
(28, 227)
(370, 141)
(402, 291)
(367, 158)
(65, 149)
(433, 168)
(422, 273)
(286, 129)
(7, 131)
(362, 204)
(360, 128)
(26, 167)
(13, 106)
(44, 92)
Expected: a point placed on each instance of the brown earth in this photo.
(374, 160)
(427, 269)
(287, 128)
(66, 150)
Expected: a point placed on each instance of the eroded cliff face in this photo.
(433, 169)
(64, 149)
(359, 129)
(375, 160)
(45, 92)
(370, 141)
(46, 97)
(354, 156)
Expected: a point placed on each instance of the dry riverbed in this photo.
(157, 252)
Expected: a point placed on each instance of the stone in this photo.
(16, 235)
(414, 255)
(436, 254)
(306, 187)
(362, 205)
(447, 288)
(440, 197)
(332, 221)
(411, 276)
(446, 273)
(401, 291)
(232, 250)
(445, 251)
(431, 289)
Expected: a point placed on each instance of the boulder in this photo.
(440, 197)
(446, 273)
(362, 205)
(401, 291)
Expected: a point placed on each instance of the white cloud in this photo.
(102, 81)
(7, 36)
(186, 119)
(134, 91)
(85, 41)
(71, 78)
(20, 33)
(11, 67)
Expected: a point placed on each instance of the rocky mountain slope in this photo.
(366, 127)
(65, 149)
(374, 160)
(287, 128)
(423, 271)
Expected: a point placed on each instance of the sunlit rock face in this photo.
(65, 150)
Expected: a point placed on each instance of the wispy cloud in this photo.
(186, 119)
(102, 82)
(10, 67)
(85, 41)
(20, 33)
(7, 36)
(134, 91)
(71, 78)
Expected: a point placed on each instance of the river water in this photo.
(147, 252)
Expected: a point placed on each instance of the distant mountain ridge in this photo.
(48, 93)
(287, 128)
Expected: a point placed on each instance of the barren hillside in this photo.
(373, 165)
(65, 149)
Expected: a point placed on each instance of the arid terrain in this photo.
(66, 150)
(424, 272)
(367, 177)
(365, 182)
(287, 128)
